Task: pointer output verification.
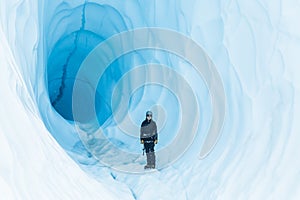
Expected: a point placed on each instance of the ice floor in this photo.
(221, 78)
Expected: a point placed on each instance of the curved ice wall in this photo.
(72, 31)
(254, 46)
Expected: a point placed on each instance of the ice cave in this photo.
(221, 78)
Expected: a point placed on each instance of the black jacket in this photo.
(148, 130)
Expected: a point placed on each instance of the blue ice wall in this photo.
(73, 31)
(252, 46)
(71, 35)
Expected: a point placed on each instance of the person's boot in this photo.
(147, 166)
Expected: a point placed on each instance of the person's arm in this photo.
(155, 135)
(141, 139)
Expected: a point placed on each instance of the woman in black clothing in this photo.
(148, 137)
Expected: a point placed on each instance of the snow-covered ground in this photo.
(220, 76)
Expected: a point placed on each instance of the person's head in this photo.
(149, 115)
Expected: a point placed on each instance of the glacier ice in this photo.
(253, 45)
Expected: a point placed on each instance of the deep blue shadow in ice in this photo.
(77, 31)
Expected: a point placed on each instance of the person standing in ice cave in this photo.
(148, 137)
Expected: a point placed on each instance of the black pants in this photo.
(149, 146)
